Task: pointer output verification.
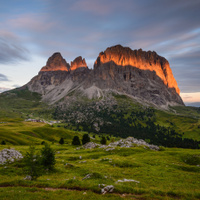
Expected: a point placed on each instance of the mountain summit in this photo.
(143, 76)
(124, 56)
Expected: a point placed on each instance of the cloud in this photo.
(3, 78)
(11, 51)
(191, 97)
(2, 89)
(92, 6)
(76, 27)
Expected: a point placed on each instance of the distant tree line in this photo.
(140, 124)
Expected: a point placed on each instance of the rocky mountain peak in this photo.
(124, 56)
(77, 63)
(56, 63)
(142, 75)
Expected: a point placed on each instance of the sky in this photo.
(31, 31)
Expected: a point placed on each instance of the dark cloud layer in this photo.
(10, 49)
(86, 27)
(3, 78)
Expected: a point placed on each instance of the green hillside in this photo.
(121, 117)
(171, 173)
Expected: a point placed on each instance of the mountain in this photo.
(143, 76)
(118, 97)
(194, 104)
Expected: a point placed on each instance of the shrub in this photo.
(61, 141)
(85, 139)
(32, 163)
(43, 142)
(103, 140)
(48, 157)
(108, 138)
(76, 140)
(3, 142)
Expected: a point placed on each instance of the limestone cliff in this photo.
(56, 63)
(124, 56)
(142, 75)
(77, 63)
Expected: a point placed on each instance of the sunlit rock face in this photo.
(56, 63)
(124, 56)
(142, 75)
(77, 63)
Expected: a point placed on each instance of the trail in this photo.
(124, 195)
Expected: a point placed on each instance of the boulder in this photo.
(9, 156)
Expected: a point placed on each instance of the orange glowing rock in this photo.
(77, 63)
(56, 63)
(124, 56)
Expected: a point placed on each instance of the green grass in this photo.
(23, 133)
(162, 174)
(182, 123)
(21, 103)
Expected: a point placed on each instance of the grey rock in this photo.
(127, 180)
(90, 145)
(87, 176)
(9, 156)
(108, 188)
(131, 141)
(28, 178)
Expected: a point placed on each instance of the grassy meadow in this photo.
(172, 173)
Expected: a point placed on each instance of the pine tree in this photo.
(103, 140)
(61, 141)
(85, 139)
(32, 162)
(48, 157)
(76, 141)
(3, 142)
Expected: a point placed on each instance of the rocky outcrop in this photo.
(124, 57)
(142, 75)
(126, 143)
(9, 156)
(77, 63)
(56, 63)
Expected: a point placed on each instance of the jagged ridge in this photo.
(143, 75)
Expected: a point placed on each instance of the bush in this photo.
(61, 141)
(3, 142)
(103, 140)
(43, 142)
(85, 139)
(48, 157)
(32, 163)
(76, 140)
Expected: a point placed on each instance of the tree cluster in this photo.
(36, 163)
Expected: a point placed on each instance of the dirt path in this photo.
(131, 196)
